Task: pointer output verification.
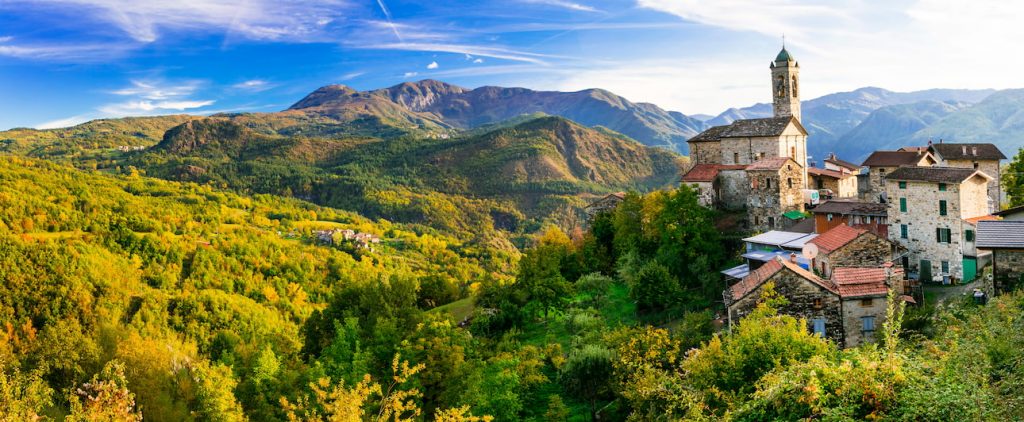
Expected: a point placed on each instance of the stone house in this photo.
(929, 215)
(984, 157)
(776, 187)
(1005, 240)
(835, 164)
(840, 183)
(726, 192)
(606, 203)
(845, 246)
(882, 163)
(848, 309)
(867, 215)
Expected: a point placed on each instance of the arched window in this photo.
(794, 86)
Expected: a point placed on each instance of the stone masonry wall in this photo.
(989, 167)
(706, 152)
(733, 189)
(854, 310)
(922, 219)
(801, 295)
(867, 250)
(1009, 267)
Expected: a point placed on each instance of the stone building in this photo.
(929, 215)
(984, 157)
(848, 309)
(841, 183)
(606, 203)
(728, 191)
(882, 163)
(1005, 240)
(845, 246)
(834, 163)
(866, 215)
(776, 187)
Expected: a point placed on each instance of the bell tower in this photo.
(785, 85)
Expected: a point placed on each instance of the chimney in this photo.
(964, 149)
(974, 151)
(792, 258)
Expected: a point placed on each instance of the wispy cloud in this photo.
(351, 75)
(143, 20)
(476, 50)
(81, 53)
(156, 90)
(64, 122)
(408, 75)
(155, 97)
(253, 85)
(135, 108)
(391, 23)
(564, 4)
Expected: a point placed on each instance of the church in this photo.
(756, 164)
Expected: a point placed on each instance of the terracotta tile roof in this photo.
(968, 151)
(934, 174)
(892, 159)
(708, 172)
(773, 163)
(836, 238)
(769, 126)
(828, 173)
(711, 134)
(769, 269)
(856, 282)
(975, 220)
(842, 163)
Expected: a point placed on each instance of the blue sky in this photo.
(66, 61)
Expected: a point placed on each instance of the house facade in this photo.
(882, 163)
(984, 157)
(845, 246)
(1005, 240)
(929, 215)
(838, 183)
(872, 216)
(776, 187)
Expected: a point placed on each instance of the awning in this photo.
(737, 272)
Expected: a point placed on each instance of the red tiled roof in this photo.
(769, 269)
(836, 238)
(708, 172)
(828, 173)
(773, 163)
(975, 220)
(859, 282)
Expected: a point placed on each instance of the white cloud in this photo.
(351, 75)
(150, 97)
(253, 85)
(410, 75)
(564, 4)
(486, 51)
(136, 108)
(152, 90)
(6, 39)
(478, 61)
(143, 20)
(432, 65)
(65, 122)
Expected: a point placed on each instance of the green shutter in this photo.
(942, 207)
(903, 231)
(903, 204)
(938, 235)
(903, 185)
(969, 235)
(942, 187)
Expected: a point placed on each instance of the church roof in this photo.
(711, 134)
(769, 126)
(784, 56)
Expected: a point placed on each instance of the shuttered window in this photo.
(903, 185)
(943, 235)
(942, 187)
(969, 235)
(942, 207)
(903, 231)
(903, 204)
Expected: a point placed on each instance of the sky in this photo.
(63, 62)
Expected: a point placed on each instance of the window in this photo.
(903, 231)
(943, 235)
(828, 217)
(867, 323)
(903, 204)
(819, 326)
(942, 207)
(969, 235)
(757, 221)
(903, 185)
(789, 182)
(881, 171)
(767, 183)
(735, 158)
(821, 183)
(818, 304)
(771, 221)
(792, 152)
(942, 187)
(867, 302)
(945, 267)
(975, 165)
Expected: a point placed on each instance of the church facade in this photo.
(724, 154)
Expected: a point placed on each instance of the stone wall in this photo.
(772, 193)
(876, 182)
(706, 152)
(803, 296)
(922, 219)
(706, 194)
(733, 187)
(1009, 267)
(974, 198)
(847, 187)
(867, 250)
(854, 310)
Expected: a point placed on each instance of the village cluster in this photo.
(337, 236)
(835, 239)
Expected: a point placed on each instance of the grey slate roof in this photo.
(842, 163)
(931, 174)
(769, 126)
(968, 151)
(711, 134)
(1001, 234)
(892, 159)
(851, 208)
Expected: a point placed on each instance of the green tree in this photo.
(1013, 179)
(587, 375)
(23, 396)
(654, 288)
(557, 411)
(104, 399)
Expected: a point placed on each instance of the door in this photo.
(925, 271)
(970, 268)
(819, 326)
